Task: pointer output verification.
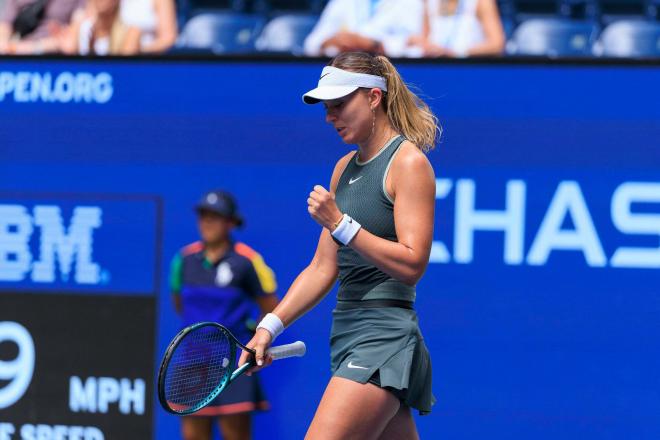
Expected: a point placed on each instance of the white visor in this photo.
(336, 83)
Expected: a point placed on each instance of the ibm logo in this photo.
(58, 247)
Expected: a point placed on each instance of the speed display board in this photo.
(76, 338)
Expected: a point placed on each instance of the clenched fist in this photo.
(323, 208)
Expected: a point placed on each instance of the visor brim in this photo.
(237, 218)
(326, 93)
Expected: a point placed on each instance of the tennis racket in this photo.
(200, 362)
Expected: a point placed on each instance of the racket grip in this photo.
(289, 350)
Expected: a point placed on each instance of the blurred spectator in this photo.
(156, 20)
(99, 30)
(459, 28)
(34, 26)
(376, 26)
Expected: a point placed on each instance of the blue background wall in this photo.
(523, 347)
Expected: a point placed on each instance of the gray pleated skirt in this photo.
(384, 343)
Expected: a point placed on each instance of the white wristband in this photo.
(273, 324)
(346, 230)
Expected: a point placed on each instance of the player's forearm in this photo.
(308, 289)
(267, 303)
(396, 259)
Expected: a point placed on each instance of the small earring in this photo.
(373, 121)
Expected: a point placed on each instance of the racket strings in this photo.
(200, 363)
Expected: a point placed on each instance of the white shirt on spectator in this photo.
(458, 32)
(101, 45)
(142, 15)
(390, 22)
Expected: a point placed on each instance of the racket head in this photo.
(196, 367)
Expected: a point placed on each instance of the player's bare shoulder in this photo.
(411, 161)
(343, 161)
(341, 165)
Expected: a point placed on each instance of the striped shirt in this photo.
(224, 291)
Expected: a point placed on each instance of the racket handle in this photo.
(289, 350)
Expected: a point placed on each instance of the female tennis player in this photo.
(377, 220)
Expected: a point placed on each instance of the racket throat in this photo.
(240, 370)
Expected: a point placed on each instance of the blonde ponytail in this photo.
(407, 113)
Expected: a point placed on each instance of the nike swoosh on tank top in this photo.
(361, 193)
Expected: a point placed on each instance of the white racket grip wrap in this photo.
(296, 349)
(346, 229)
(273, 324)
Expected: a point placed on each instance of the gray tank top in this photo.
(361, 194)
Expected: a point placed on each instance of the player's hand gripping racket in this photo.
(200, 362)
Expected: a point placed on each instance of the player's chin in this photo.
(346, 135)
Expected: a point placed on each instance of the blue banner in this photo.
(540, 303)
